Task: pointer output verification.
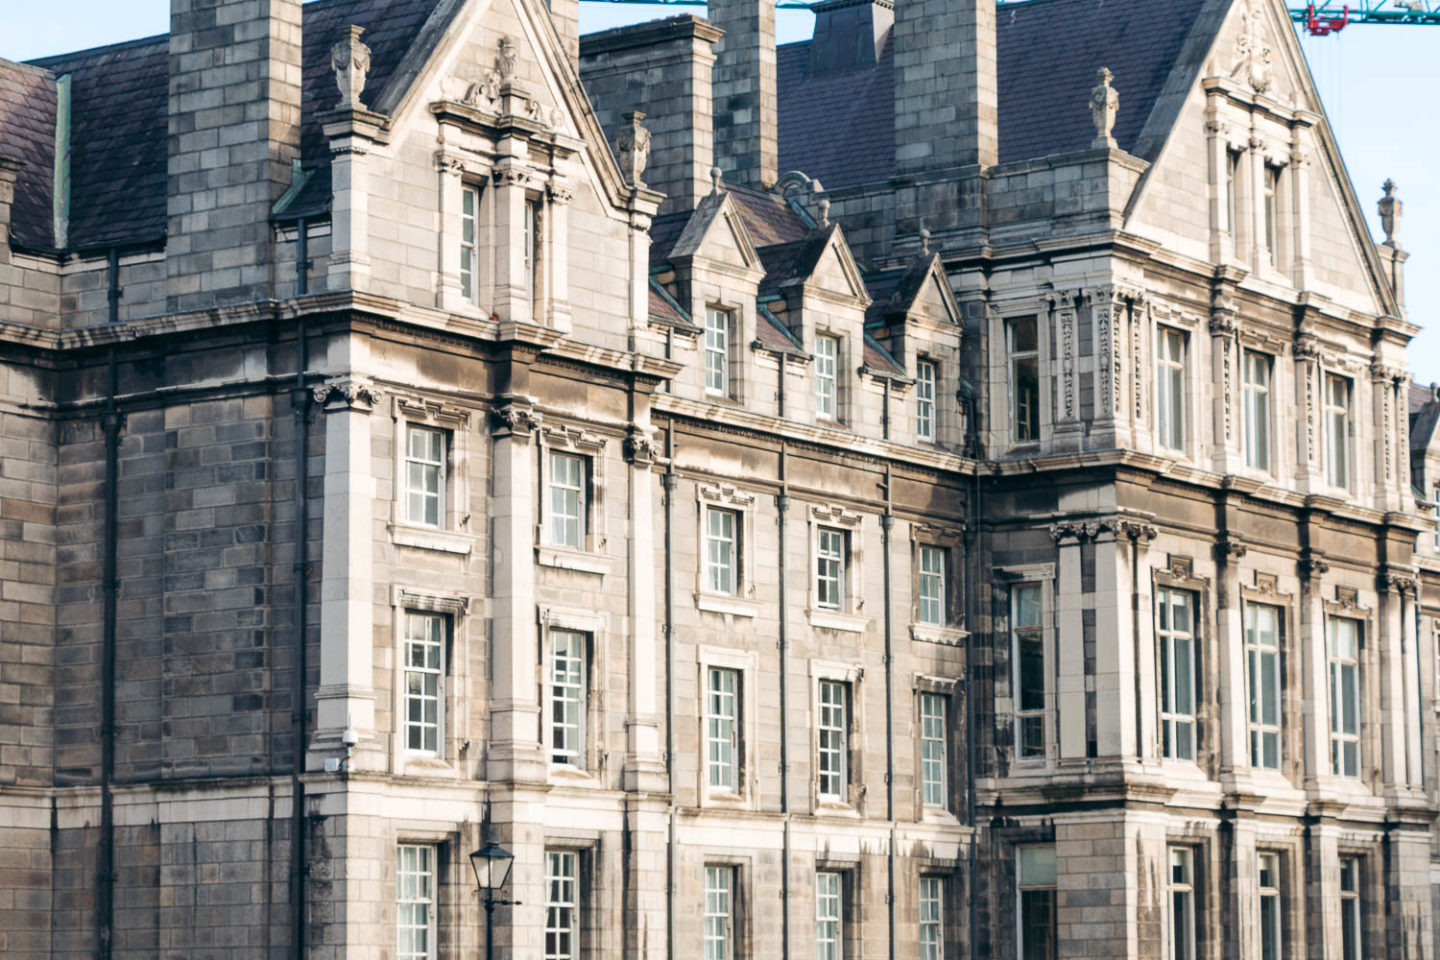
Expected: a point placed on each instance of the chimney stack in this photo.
(234, 130)
(946, 92)
(663, 70)
(747, 105)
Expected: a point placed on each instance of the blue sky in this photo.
(1375, 81)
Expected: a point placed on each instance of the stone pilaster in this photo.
(1069, 709)
(1309, 470)
(1227, 451)
(1230, 643)
(511, 179)
(556, 254)
(1389, 407)
(1109, 312)
(1217, 151)
(1398, 683)
(1069, 430)
(354, 135)
(1314, 666)
(450, 169)
(644, 763)
(1124, 647)
(345, 697)
(1302, 271)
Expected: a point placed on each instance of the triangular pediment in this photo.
(835, 271)
(716, 233)
(1242, 85)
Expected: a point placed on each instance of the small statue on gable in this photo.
(1104, 104)
(350, 59)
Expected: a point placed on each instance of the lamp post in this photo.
(492, 864)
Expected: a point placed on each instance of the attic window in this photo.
(827, 354)
(469, 210)
(1024, 349)
(717, 352)
(925, 400)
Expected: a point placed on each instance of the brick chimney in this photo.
(746, 103)
(234, 128)
(663, 70)
(946, 100)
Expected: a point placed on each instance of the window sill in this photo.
(833, 620)
(720, 603)
(931, 633)
(427, 538)
(564, 773)
(727, 801)
(426, 765)
(932, 814)
(564, 558)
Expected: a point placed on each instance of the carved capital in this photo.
(516, 419)
(1402, 583)
(561, 191)
(1223, 324)
(1138, 531)
(1312, 565)
(641, 447)
(1229, 549)
(350, 393)
(510, 175)
(1384, 371)
(1306, 347)
(449, 163)
(1067, 530)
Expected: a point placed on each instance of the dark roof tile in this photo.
(27, 134)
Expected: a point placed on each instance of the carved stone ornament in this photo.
(641, 447)
(1104, 104)
(1403, 584)
(632, 146)
(1229, 549)
(1306, 347)
(1085, 529)
(350, 59)
(1252, 52)
(516, 419)
(346, 394)
(1311, 565)
(1390, 213)
(1138, 531)
(506, 59)
(483, 94)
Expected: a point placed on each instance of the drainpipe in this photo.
(302, 257)
(887, 521)
(114, 291)
(973, 602)
(782, 509)
(667, 480)
(300, 404)
(111, 422)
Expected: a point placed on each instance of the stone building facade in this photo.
(914, 493)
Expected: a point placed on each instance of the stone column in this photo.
(1309, 472)
(451, 169)
(1069, 429)
(558, 195)
(1230, 641)
(354, 135)
(1228, 457)
(1069, 643)
(511, 298)
(345, 697)
(516, 752)
(1314, 665)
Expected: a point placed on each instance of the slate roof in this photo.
(27, 134)
(119, 100)
(1424, 416)
(839, 127)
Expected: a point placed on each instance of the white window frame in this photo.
(453, 422)
(470, 243)
(1344, 674)
(1233, 170)
(563, 904)
(530, 230)
(1352, 947)
(723, 528)
(832, 561)
(425, 635)
(1270, 210)
(1339, 432)
(570, 688)
(1172, 382)
(829, 915)
(724, 727)
(1265, 726)
(560, 492)
(718, 916)
(1180, 903)
(717, 342)
(1271, 905)
(932, 917)
(1030, 718)
(745, 664)
(569, 440)
(934, 711)
(741, 503)
(927, 379)
(1025, 424)
(1174, 681)
(1035, 872)
(827, 377)
(426, 461)
(1259, 411)
(415, 892)
(833, 699)
(931, 578)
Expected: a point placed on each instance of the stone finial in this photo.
(824, 211)
(1391, 210)
(632, 146)
(924, 239)
(507, 59)
(1104, 104)
(350, 59)
(714, 181)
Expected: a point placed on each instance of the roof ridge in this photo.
(90, 51)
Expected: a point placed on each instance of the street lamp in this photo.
(492, 864)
